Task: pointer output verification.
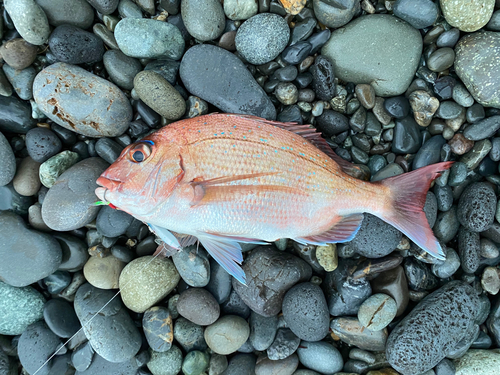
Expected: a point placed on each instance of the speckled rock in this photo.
(262, 38)
(306, 312)
(455, 302)
(467, 15)
(29, 19)
(141, 287)
(230, 86)
(265, 290)
(81, 101)
(476, 64)
(477, 206)
(19, 307)
(159, 95)
(166, 363)
(73, 191)
(240, 10)
(112, 332)
(360, 53)
(148, 38)
(351, 332)
(51, 169)
(227, 334)
(204, 19)
(335, 14)
(193, 266)
(78, 13)
(198, 306)
(27, 255)
(8, 167)
(478, 362)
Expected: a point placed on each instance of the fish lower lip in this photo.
(101, 193)
(108, 183)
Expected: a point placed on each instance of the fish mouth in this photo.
(106, 184)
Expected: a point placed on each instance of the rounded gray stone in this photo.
(78, 13)
(19, 307)
(262, 330)
(112, 332)
(193, 266)
(229, 86)
(377, 311)
(476, 64)
(29, 19)
(21, 80)
(159, 95)
(227, 334)
(198, 306)
(81, 101)
(121, 68)
(320, 356)
(27, 180)
(204, 19)
(262, 38)
(149, 38)
(68, 204)
(240, 9)
(467, 15)
(477, 207)
(165, 363)
(335, 14)
(27, 255)
(306, 312)
(378, 49)
(478, 362)
(8, 166)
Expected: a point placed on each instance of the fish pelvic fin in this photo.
(408, 193)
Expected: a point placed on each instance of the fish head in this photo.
(143, 176)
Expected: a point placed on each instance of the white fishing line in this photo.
(86, 325)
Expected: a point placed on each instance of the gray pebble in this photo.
(18, 53)
(15, 115)
(127, 8)
(468, 250)
(27, 180)
(111, 222)
(21, 80)
(19, 307)
(447, 224)
(353, 333)
(235, 306)
(193, 266)
(377, 311)
(262, 330)
(73, 12)
(204, 19)
(102, 115)
(101, 366)
(29, 19)
(74, 250)
(482, 129)
(27, 255)
(262, 38)
(267, 366)
(284, 345)
(8, 166)
(104, 6)
(198, 306)
(306, 312)
(333, 14)
(73, 45)
(227, 334)
(189, 335)
(240, 10)
(241, 364)
(108, 150)
(420, 15)
(75, 192)
(219, 284)
(320, 356)
(60, 316)
(42, 144)
(441, 59)
(121, 68)
(450, 265)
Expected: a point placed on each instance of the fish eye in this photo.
(140, 152)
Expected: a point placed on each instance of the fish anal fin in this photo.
(344, 230)
(165, 236)
(226, 252)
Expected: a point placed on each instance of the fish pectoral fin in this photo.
(225, 179)
(343, 231)
(165, 236)
(226, 252)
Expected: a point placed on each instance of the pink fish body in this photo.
(226, 179)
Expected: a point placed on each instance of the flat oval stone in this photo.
(482, 129)
(141, 287)
(193, 266)
(81, 101)
(335, 14)
(60, 316)
(27, 181)
(227, 334)
(360, 53)
(158, 328)
(420, 15)
(15, 115)
(121, 68)
(103, 273)
(431, 321)
(74, 191)
(198, 306)
(8, 167)
(78, 13)
(29, 19)
(18, 53)
(476, 64)
(111, 332)
(72, 45)
(229, 86)
(27, 255)
(204, 19)
(320, 356)
(159, 95)
(149, 39)
(262, 38)
(19, 307)
(21, 80)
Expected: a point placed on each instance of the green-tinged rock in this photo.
(51, 169)
(165, 363)
(19, 307)
(478, 362)
(378, 49)
(195, 363)
(146, 281)
(467, 15)
(477, 65)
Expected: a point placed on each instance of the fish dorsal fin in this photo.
(312, 135)
(343, 231)
(226, 252)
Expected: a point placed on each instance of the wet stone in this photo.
(121, 68)
(54, 167)
(331, 123)
(490, 280)
(306, 312)
(376, 312)
(350, 331)
(323, 82)
(262, 330)
(482, 129)
(267, 366)
(429, 153)
(297, 53)
(419, 275)
(407, 136)
(104, 272)
(320, 356)
(15, 115)
(29, 20)
(231, 87)
(61, 104)
(111, 222)
(198, 306)
(393, 283)
(460, 145)
(241, 364)
(72, 45)
(8, 167)
(166, 363)
(195, 363)
(235, 306)
(227, 334)
(455, 302)
(467, 16)
(189, 335)
(219, 284)
(424, 106)
(42, 143)
(21, 80)
(261, 269)
(60, 317)
(441, 59)
(333, 14)
(203, 19)
(158, 328)
(420, 15)
(284, 345)
(149, 38)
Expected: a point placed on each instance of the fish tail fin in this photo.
(408, 193)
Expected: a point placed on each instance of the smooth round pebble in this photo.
(121, 68)
(61, 318)
(29, 19)
(103, 273)
(466, 15)
(42, 144)
(226, 335)
(111, 222)
(166, 363)
(158, 328)
(18, 53)
(240, 10)
(193, 266)
(376, 312)
(204, 19)
(78, 13)
(320, 356)
(198, 306)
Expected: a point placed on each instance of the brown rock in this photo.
(18, 53)
(460, 145)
